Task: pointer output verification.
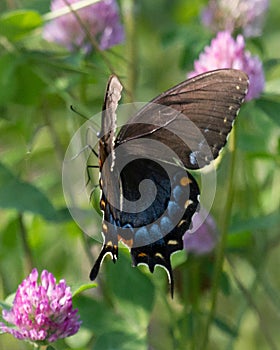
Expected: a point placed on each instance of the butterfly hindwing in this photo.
(177, 220)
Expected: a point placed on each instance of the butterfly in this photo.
(148, 197)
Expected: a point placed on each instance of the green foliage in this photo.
(121, 322)
(22, 196)
(226, 328)
(127, 307)
(83, 288)
(271, 108)
(16, 25)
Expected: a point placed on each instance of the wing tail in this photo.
(108, 248)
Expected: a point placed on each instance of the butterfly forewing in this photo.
(208, 105)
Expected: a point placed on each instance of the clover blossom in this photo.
(99, 21)
(244, 15)
(226, 52)
(205, 238)
(41, 312)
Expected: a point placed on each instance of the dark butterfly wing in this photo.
(168, 217)
(202, 113)
(108, 122)
(154, 233)
(208, 105)
(108, 179)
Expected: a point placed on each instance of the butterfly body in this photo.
(148, 197)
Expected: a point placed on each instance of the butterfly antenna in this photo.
(96, 128)
(88, 173)
(93, 151)
(73, 109)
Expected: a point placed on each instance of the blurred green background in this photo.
(130, 308)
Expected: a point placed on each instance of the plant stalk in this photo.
(220, 252)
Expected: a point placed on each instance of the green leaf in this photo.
(225, 284)
(124, 324)
(10, 299)
(84, 287)
(31, 85)
(270, 64)
(178, 258)
(5, 305)
(271, 108)
(79, 340)
(184, 12)
(62, 215)
(19, 81)
(22, 196)
(8, 79)
(272, 87)
(256, 223)
(120, 341)
(17, 24)
(226, 327)
(98, 316)
(133, 290)
(133, 294)
(239, 240)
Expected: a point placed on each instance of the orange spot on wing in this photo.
(127, 242)
(185, 181)
(141, 255)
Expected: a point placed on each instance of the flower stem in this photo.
(129, 19)
(91, 39)
(250, 301)
(28, 258)
(67, 9)
(195, 294)
(223, 239)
